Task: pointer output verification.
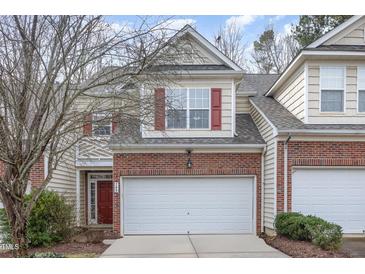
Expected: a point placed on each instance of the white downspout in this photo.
(262, 186)
(78, 197)
(286, 173)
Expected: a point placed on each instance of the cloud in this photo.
(274, 19)
(177, 24)
(287, 28)
(242, 20)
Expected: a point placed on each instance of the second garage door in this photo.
(337, 195)
(185, 205)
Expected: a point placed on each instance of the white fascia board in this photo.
(207, 146)
(333, 32)
(209, 46)
(292, 66)
(323, 131)
(275, 130)
(102, 163)
(233, 73)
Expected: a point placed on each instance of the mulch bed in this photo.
(69, 249)
(301, 249)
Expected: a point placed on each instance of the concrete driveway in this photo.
(191, 246)
(354, 246)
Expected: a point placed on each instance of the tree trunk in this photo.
(19, 235)
(17, 217)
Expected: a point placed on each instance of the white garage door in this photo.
(337, 195)
(188, 205)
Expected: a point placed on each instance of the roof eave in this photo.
(191, 145)
(321, 132)
(333, 32)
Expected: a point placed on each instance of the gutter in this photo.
(136, 146)
(322, 131)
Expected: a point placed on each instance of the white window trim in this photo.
(344, 67)
(95, 180)
(188, 111)
(358, 89)
(92, 126)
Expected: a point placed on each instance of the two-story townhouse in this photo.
(221, 177)
(234, 149)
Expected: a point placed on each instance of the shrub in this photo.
(50, 221)
(297, 226)
(292, 225)
(5, 232)
(326, 235)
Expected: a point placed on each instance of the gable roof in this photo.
(334, 32)
(318, 48)
(208, 46)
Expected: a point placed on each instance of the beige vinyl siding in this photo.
(267, 132)
(350, 116)
(64, 177)
(355, 37)
(242, 104)
(192, 53)
(83, 196)
(291, 95)
(226, 86)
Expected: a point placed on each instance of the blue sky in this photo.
(209, 24)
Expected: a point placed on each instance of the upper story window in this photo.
(332, 89)
(188, 108)
(101, 124)
(361, 88)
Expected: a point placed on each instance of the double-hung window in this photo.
(102, 125)
(361, 88)
(188, 108)
(332, 89)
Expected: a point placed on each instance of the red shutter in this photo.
(160, 109)
(115, 121)
(216, 111)
(87, 129)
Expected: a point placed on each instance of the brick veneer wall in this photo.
(36, 174)
(302, 153)
(165, 164)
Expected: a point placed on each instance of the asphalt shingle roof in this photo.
(355, 48)
(247, 133)
(257, 83)
(284, 120)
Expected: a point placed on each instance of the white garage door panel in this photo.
(188, 205)
(336, 195)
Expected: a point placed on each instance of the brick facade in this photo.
(165, 164)
(36, 174)
(302, 153)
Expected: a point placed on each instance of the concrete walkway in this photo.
(191, 246)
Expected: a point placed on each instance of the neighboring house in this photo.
(235, 150)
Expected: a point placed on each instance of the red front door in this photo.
(105, 202)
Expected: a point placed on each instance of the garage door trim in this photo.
(324, 168)
(254, 198)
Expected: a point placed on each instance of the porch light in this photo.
(116, 187)
(189, 163)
